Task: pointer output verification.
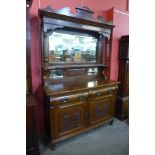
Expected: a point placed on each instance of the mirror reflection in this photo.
(71, 48)
(92, 71)
(56, 74)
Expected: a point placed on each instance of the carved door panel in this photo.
(101, 109)
(70, 118)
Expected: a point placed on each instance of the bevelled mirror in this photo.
(71, 47)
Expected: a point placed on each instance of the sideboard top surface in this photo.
(54, 89)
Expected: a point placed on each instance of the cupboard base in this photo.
(55, 141)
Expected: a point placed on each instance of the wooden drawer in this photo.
(69, 98)
(101, 91)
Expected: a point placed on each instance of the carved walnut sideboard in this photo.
(75, 52)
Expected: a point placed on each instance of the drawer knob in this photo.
(81, 97)
(98, 93)
(109, 91)
(64, 100)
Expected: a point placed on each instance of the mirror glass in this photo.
(56, 74)
(92, 71)
(72, 48)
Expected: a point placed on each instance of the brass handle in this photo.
(81, 97)
(109, 91)
(64, 100)
(98, 94)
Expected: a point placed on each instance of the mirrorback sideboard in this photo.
(75, 52)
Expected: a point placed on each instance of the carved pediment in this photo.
(63, 11)
(82, 13)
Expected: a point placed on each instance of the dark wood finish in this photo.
(71, 118)
(31, 136)
(122, 104)
(124, 48)
(102, 106)
(83, 16)
(82, 22)
(72, 109)
(31, 132)
(122, 108)
(74, 66)
(76, 72)
(78, 101)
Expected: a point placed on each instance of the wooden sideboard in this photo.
(72, 108)
(75, 51)
(122, 104)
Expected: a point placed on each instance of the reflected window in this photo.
(72, 48)
(92, 71)
(56, 74)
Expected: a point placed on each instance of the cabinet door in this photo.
(101, 109)
(69, 118)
